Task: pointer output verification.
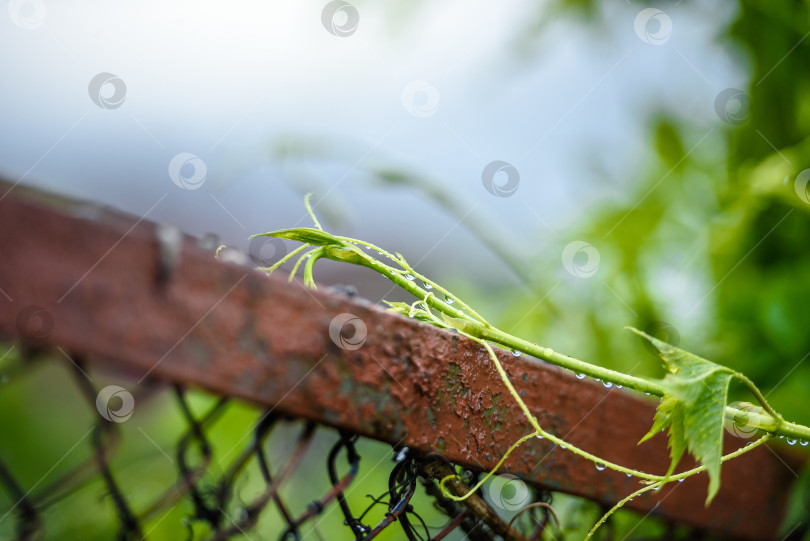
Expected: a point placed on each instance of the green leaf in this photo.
(669, 145)
(692, 407)
(472, 328)
(670, 414)
(316, 237)
(405, 309)
(399, 307)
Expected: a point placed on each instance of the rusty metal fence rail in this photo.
(214, 498)
(111, 292)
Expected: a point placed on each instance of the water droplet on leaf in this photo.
(516, 353)
(580, 376)
(600, 466)
(607, 384)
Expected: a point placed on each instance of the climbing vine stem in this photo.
(467, 319)
(678, 477)
(455, 314)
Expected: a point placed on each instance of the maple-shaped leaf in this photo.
(695, 392)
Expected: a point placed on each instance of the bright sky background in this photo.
(232, 83)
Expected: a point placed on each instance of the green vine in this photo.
(694, 391)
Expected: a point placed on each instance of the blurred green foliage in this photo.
(722, 226)
(725, 228)
(711, 246)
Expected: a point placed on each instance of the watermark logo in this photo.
(420, 99)
(738, 425)
(340, 18)
(348, 331)
(499, 169)
(580, 259)
(732, 106)
(34, 324)
(187, 171)
(27, 14)
(107, 90)
(115, 403)
(800, 185)
(653, 26)
(663, 331)
(264, 251)
(508, 493)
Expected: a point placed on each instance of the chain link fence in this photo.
(259, 485)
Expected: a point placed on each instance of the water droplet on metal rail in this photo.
(401, 455)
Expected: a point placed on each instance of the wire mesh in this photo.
(218, 493)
